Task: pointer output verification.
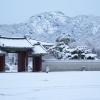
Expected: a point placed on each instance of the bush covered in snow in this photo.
(62, 50)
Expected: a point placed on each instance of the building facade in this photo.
(24, 48)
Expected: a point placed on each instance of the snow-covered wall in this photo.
(71, 65)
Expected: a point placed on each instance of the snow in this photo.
(38, 49)
(42, 26)
(32, 41)
(90, 55)
(2, 52)
(81, 85)
(20, 43)
(47, 43)
(41, 42)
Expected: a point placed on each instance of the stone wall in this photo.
(71, 65)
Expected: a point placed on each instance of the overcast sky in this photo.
(15, 11)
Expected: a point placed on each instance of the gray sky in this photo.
(15, 11)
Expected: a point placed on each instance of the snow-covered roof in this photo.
(74, 55)
(2, 52)
(70, 50)
(47, 43)
(82, 47)
(15, 42)
(22, 43)
(38, 49)
(90, 55)
(42, 43)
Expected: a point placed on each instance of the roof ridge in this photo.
(12, 37)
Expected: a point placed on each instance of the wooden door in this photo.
(37, 63)
(2, 63)
(22, 61)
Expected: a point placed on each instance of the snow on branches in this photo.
(62, 50)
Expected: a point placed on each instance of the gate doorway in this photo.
(11, 62)
(2, 63)
(17, 62)
(37, 63)
(22, 61)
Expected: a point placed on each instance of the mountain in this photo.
(48, 26)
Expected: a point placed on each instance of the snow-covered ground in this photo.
(81, 85)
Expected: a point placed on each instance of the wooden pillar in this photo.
(22, 61)
(2, 63)
(37, 63)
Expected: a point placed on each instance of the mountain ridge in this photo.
(48, 26)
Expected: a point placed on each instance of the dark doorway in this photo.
(22, 61)
(37, 63)
(2, 63)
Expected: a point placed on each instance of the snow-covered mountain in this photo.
(48, 26)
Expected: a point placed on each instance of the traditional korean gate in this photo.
(37, 63)
(2, 63)
(22, 61)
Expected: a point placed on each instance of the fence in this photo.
(71, 65)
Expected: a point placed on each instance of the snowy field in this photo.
(81, 85)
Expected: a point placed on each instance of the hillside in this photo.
(48, 26)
